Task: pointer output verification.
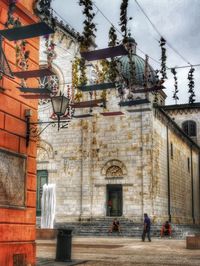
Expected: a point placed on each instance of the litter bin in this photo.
(64, 244)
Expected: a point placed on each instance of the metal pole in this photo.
(192, 188)
(168, 177)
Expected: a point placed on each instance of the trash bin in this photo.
(64, 244)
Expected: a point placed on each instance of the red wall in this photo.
(17, 227)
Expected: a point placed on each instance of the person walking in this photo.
(146, 228)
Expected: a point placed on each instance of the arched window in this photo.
(190, 128)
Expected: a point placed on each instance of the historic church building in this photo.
(123, 160)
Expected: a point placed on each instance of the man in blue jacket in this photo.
(147, 228)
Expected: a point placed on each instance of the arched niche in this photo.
(44, 151)
(114, 169)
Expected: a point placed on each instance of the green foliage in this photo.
(112, 37)
(11, 20)
(22, 54)
(163, 59)
(123, 17)
(113, 72)
(175, 96)
(86, 40)
(82, 68)
(102, 71)
(191, 85)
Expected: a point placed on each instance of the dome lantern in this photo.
(130, 44)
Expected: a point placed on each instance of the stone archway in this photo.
(113, 171)
(44, 151)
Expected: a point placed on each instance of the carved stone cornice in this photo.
(182, 108)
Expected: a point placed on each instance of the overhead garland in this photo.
(123, 18)
(82, 68)
(88, 35)
(102, 75)
(22, 54)
(163, 59)
(50, 49)
(75, 79)
(11, 20)
(123, 24)
(112, 37)
(112, 70)
(45, 7)
(191, 85)
(156, 84)
(175, 96)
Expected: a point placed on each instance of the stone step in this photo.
(100, 227)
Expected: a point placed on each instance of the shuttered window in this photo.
(189, 127)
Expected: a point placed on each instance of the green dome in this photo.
(139, 64)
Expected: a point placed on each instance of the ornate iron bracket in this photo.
(32, 130)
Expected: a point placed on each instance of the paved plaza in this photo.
(119, 251)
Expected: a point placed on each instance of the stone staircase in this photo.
(100, 227)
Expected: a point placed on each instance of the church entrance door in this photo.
(114, 200)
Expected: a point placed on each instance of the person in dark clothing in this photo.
(147, 228)
(115, 226)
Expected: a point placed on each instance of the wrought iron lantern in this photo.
(59, 104)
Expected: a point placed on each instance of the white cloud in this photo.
(177, 20)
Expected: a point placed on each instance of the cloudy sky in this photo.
(177, 20)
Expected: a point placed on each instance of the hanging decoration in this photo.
(52, 81)
(50, 49)
(75, 77)
(163, 59)
(101, 71)
(102, 75)
(132, 71)
(87, 38)
(175, 96)
(82, 68)
(112, 70)
(12, 22)
(112, 37)
(22, 57)
(156, 84)
(75, 80)
(44, 7)
(123, 18)
(22, 54)
(70, 111)
(191, 85)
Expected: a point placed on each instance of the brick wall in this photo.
(17, 226)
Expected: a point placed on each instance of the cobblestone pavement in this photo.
(121, 252)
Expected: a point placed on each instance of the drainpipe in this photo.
(168, 177)
(192, 186)
(199, 183)
(141, 153)
(81, 195)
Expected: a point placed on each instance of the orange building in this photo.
(17, 161)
